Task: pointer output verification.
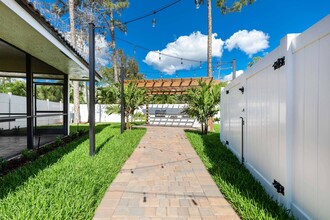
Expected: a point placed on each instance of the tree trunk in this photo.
(127, 120)
(113, 47)
(202, 124)
(76, 95)
(209, 40)
(72, 23)
(206, 128)
(211, 124)
(76, 102)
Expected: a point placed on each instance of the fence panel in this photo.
(287, 121)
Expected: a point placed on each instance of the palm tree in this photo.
(163, 99)
(60, 7)
(134, 98)
(115, 6)
(202, 103)
(222, 4)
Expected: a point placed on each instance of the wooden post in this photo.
(147, 109)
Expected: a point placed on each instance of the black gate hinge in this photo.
(278, 187)
(279, 63)
(241, 89)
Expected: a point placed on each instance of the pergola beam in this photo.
(169, 86)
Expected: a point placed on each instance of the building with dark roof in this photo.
(32, 50)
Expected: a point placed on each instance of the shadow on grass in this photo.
(227, 170)
(11, 181)
(100, 147)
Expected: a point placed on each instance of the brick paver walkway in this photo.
(164, 179)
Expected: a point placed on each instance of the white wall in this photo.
(287, 121)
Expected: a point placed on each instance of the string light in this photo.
(163, 54)
(152, 13)
(197, 4)
(154, 22)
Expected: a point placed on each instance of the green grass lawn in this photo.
(238, 186)
(67, 183)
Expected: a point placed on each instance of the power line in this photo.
(152, 13)
(219, 63)
(160, 53)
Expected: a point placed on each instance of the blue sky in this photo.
(269, 18)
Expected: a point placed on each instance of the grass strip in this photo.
(238, 186)
(67, 183)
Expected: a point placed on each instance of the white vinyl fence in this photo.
(17, 104)
(285, 107)
(172, 115)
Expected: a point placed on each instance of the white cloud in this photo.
(192, 47)
(101, 49)
(250, 42)
(229, 77)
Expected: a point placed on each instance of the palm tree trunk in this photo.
(205, 127)
(209, 40)
(76, 98)
(211, 124)
(113, 46)
(127, 120)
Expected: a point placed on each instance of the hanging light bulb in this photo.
(181, 61)
(197, 4)
(154, 22)
(160, 58)
(125, 32)
(200, 64)
(134, 50)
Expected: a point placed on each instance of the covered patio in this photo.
(33, 52)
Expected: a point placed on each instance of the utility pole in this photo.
(234, 69)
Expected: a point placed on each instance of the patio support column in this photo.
(122, 100)
(91, 89)
(66, 105)
(147, 109)
(29, 102)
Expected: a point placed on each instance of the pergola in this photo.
(168, 87)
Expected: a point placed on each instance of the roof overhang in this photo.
(170, 86)
(25, 29)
